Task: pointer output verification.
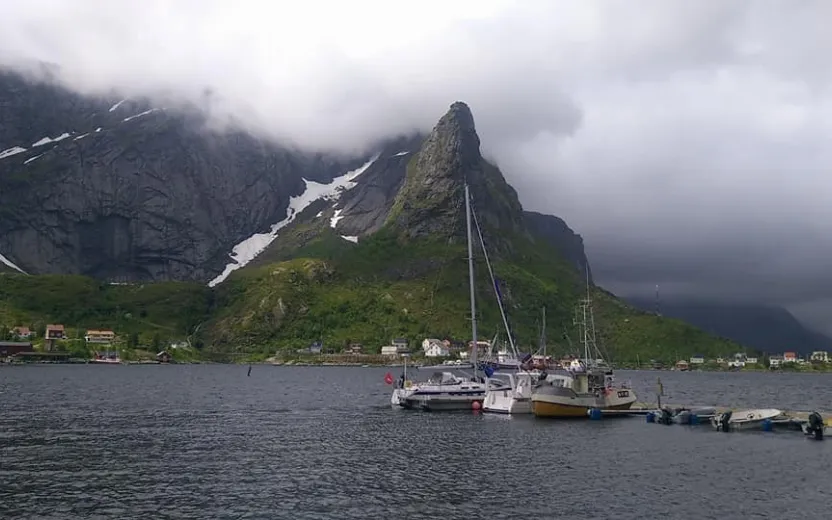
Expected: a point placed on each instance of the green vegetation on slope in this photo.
(388, 286)
(169, 310)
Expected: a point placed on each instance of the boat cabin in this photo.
(444, 378)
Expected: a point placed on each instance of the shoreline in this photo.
(377, 363)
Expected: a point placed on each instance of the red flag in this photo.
(388, 378)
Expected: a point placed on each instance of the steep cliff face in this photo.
(123, 191)
(430, 199)
(557, 233)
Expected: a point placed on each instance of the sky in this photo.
(687, 142)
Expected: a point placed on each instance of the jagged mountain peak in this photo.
(431, 197)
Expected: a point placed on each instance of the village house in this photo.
(400, 343)
(54, 332)
(738, 361)
(393, 350)
(751, 360)
(789, 357)
(775, 361)
(697, 359)
(315, 348)
(820, 356)
(427, 342)
(22, 332)
(100, 336)
(682, 365)
(163, 357)
(437, 349)
(355, 348)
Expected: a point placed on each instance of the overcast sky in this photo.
(688, 142)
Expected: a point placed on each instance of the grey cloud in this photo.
(686, 141)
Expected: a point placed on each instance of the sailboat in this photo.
(516, 399)
(444, 390)
(587, 383)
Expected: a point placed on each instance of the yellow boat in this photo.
(587, 383)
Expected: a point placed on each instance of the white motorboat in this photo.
(515, 396)
(744, 419)
(446, 391)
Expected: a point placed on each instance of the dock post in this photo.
(659, 391)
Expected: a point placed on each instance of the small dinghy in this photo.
(744, 419)
(682, 416)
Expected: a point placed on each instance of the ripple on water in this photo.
(302, 443)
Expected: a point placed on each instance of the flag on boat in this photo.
(388, 378)
(489, 370)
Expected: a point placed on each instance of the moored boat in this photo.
(586, 384)
(445, 391)
(744, 419)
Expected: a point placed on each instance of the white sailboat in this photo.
(444, 390)
(517, 398)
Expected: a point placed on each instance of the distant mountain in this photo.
(767, 328)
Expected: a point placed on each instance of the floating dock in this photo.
(793, 416)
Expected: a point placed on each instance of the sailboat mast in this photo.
(471, 278)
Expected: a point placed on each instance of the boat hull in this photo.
(442, 403)
(563, 402)
(744, 419)
(499, 403)
(548, 409)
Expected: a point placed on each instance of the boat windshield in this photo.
(443, 378)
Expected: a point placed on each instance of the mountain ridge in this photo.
(408, 276)
(347, 257)
(771, 329)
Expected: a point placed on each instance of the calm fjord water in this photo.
(322, 442)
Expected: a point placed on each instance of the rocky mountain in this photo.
(766, 328)
(386, 256)
(121, 190)
(296, 246)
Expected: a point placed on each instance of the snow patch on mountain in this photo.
(27, 161)
(116, 105)
(248, 249)
(11, 151)
(47, 140)
(335, 218)
(11, 264)
(140, 114)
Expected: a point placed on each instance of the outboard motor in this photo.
(722, 422)
(665, 417)
(815, 426)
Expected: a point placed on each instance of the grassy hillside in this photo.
(163, 310)
(388, 286)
